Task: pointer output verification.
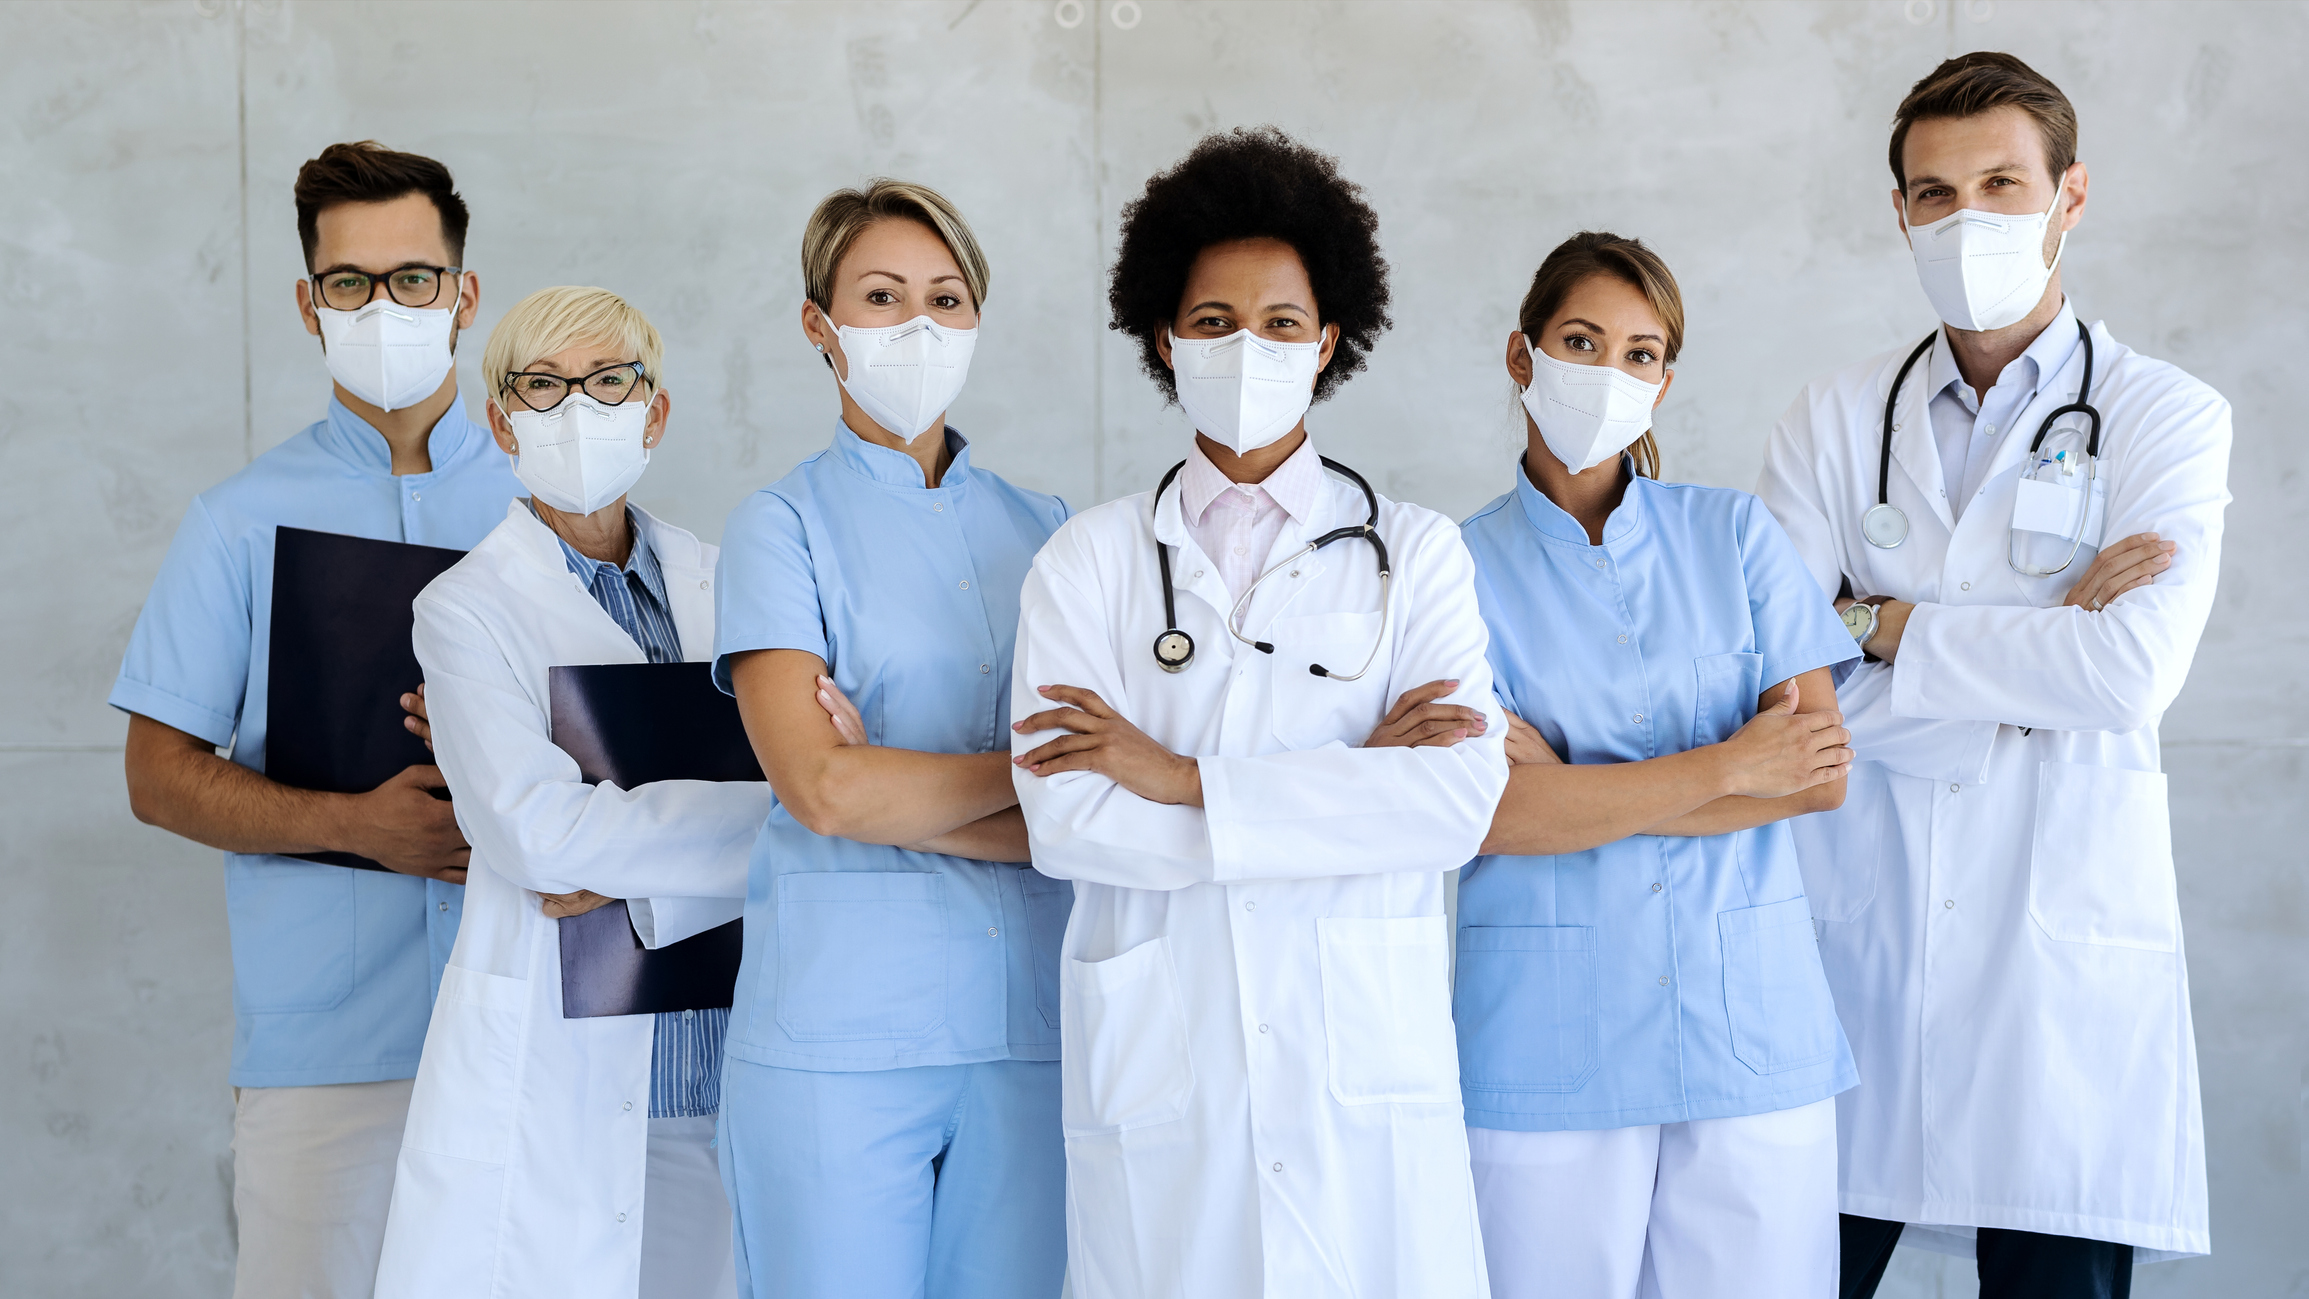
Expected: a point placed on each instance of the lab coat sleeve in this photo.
(1340, 810)
(528, 813)
(2063, 668)
(1081, 825)
(1805, 482)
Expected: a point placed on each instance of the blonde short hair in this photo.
(549, 320)
(845, 214)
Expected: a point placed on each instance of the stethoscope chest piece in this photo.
(1885, 526)
(1174, 650)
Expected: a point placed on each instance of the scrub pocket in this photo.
(1048, 904)
(861, 955)
(1774, 989)
(1312, 711)
(1126, 1061)
(2101, 867)
(1728, 687)
(293, 930)
(1526, 1007)
(1387, 1010)
(470, 1081)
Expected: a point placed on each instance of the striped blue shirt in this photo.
(685, 1067)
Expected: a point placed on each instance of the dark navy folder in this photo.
(630, 724)
(341, 661)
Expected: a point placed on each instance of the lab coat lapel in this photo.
(1191, 570)
(1914, 449)
(689, 591)
(583, 632)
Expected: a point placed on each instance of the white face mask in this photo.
(1985, 270)
(581, 455)
(904, 377)
(1586, 413)
(388, 355)
(1243, 391)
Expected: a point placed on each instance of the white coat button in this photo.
(1956, 789)
(1294, 572)
(621, 1217)
(706, 585)
(1623, 638)
(1242, 550)
(1950, 904)
(629, 1105)
(965, 586)
(1262, 1028)
(990, 931)
(1278, 1167)
(985, 668)
(1655, 888)
(1992, 430)
(1250, 906)
(1965, 585)
(1663, 981)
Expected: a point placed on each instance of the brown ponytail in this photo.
(1595, 252)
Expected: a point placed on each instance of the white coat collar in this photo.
(1335, 503)
(685, 560)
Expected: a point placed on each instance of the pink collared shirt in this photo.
(1236, 524)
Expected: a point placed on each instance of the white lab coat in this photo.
(1997, 908)
(1261, 1084)
(522, 1168)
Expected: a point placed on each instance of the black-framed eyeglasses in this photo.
(411, 286)
(610, 385)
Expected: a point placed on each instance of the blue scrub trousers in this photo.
(940, 1182)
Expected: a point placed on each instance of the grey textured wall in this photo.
(671, 151)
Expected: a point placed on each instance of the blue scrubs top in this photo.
(858, 955)
(334, 969)
(1658, 979)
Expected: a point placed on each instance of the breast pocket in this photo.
(470, 1082)
(861, 955)
(293, 930)
(1049, 903)
(2101, 867)
(1387, 1010)
(1728, 687)
(1312, 711)
(1775, 993)
(1126, 1058)
(1525, 1004)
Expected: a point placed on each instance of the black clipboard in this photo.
(341, 660)
(630, 724)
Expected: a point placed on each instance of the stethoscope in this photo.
(1174, 649)
(1885, 525)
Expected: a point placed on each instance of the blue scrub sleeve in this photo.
(187, 664)
(1797, 629)
(765, 587)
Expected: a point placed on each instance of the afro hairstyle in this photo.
(1249, 184)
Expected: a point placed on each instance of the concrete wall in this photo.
(672, 151)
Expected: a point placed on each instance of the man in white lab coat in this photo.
(1995, 898)
(1260, 1083)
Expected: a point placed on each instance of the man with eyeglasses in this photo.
(334, 969)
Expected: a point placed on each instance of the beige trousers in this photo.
(312, 1179)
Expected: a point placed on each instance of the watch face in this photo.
(1857, 618)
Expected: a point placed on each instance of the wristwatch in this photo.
(1860, 618)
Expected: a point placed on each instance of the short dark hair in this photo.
(1971, 84)
(1251, 184)
(368, 172)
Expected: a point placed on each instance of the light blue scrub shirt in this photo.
(1659, 979)
(334, 969)
(863, 956)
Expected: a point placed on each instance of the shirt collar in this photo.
(2043, 358)
(640, 562)
(1296, 484)
(1553, 521)
(896, 468)
(355, 440)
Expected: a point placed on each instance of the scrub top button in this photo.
(416, 496)
(1663, 981)
(985, 668)
(1599, 563)
(939, 508)
(990, 931)
(1655, 888)
(966, 586)
(1623, 638)
(1639, 718)
(444, 906)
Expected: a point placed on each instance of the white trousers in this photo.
(1739, 1208)
(685, 1217)
(312, 1179)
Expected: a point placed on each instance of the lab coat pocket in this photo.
(1775, 992)
(1048, 904)
(1312, 711)
(2101, 868)
(470, 1080)
(1387, 1010)
(861, 955)
(1728, 687)
(293, 930)
(1126, 1058)
(1525, 1002)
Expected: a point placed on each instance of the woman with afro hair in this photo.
(1256, 755)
